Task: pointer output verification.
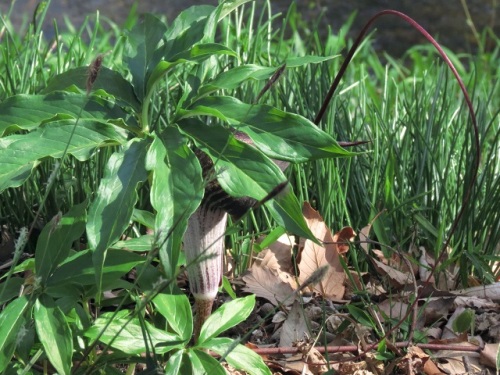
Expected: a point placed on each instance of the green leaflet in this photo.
(280, 135)
(22, 152)
(54, 333)
(56, 239)
(27, 112)
(176, 192)
(11, 321)
(111, 210)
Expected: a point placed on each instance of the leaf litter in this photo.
(298, 310)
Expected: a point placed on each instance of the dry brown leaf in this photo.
(314, 257)
(443, 281)
(392, 309)
(267, 259)
(349, 368)
(437, 308)
(475, 302)
(491, 291)
(295, 327)
(295, 365)
(433, 332)
(364, 237)
(456, 366)
(342, 239)
(395, 261)
(426, 263)
(396, 278)
(485, 320)
(265, 283)
(489, 355)
(282, 249)
(314, 360)
(429, 366)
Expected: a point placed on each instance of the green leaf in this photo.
(11, 321)
(176, 192)
(229, 6)
(280, 135)
(10, 289)
(108, 80)
(142, 243)
(203, 363)
(195, 54)
(382, 354)
(127, 336)
(226, 286)
(143, 217)
(202, 51)
(237, 355)
(360, 316)
(148, 277)
(79, 268)
(174, 363)
(177, 311)
(225, 317)
(297, 61)
(139, 54)
(110, 213)
(463, 321)
(25, 342)
(54, 334)
(233, 78)
(27, 112)
(56, 239)
(241, 169)
(22, 152)
(271, 238)
(186, 30)
(27, 265)
(285, 209)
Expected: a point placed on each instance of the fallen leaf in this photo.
(291, 366)
(456, 366)
(446, 278)
(342, 239)
(350, 368)
(396, 278)
(426, 266)
(295, 327)
(282, 250)
(392, 309)
(268, 259)
(475, 302)
(279, 317)
(315, 362)
(265, 283)
(488, 355)
(315, 256)
(364, 238)
(395, 261)
(429, 366)
(491, 291)
(437, 308)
